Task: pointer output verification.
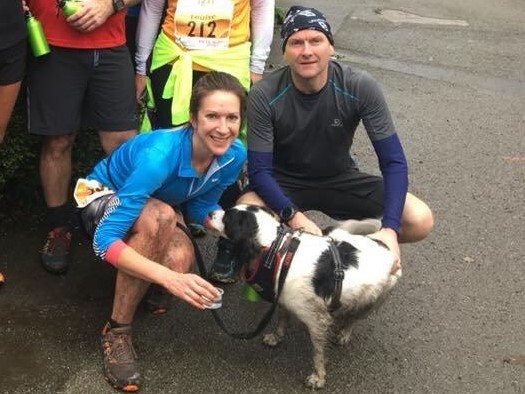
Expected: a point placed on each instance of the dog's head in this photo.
(248, 227)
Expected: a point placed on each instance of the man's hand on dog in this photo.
(389, 238)
(300, 220)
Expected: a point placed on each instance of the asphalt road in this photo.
(456, 89)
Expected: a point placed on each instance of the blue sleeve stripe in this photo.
(276, 98)
(261, 179)
(343, 92)
(393, 165)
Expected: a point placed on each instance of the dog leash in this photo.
(268, 316)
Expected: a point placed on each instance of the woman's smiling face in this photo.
(217, 122)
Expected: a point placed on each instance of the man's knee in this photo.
(424, 223)
(417, 222)
(251, 198)
(109, 140)
(58, 145)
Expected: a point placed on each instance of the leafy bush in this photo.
(19, 155)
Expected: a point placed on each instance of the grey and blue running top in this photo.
(307, 137)
(158, 164)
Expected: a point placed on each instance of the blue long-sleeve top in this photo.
(158, 164)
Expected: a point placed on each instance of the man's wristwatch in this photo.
(118, 5)
(287, 213)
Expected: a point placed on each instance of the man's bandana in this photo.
(301, 18)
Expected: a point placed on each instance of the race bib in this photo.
(203, 24)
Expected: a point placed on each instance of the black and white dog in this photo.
(310, 290)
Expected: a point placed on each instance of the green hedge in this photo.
(19, 154)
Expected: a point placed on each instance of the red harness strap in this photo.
(273, 261)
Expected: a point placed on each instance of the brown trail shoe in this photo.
(120, 359)
(55, 253)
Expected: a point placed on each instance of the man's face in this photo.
(308, 52)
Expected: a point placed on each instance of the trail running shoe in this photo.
(224, 269)
(120, 360)
(55, 253)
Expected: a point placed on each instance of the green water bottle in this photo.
(69, 7)
(37, 38)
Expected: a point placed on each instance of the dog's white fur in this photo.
(364, 287)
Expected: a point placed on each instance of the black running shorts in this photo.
(69, 89)
(92, 213)
(352, 195)
(13, 63)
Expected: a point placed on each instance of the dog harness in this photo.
(339, 275)
(275, 262)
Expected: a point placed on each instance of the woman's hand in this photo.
(191, 288)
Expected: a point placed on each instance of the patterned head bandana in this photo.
(301, 18)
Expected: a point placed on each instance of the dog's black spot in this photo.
(241, 229)
(324, 280)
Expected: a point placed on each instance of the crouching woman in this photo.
(134, 226)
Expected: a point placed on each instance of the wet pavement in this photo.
(454, 324)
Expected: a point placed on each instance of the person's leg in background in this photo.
(62, 90)
(55, 89)
(12, 71)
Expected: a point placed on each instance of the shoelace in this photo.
(119, 349)
(57, 240)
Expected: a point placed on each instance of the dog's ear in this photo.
(241, 228)
(239, 224)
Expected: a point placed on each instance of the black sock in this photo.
(114, 324)
(59, 216)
